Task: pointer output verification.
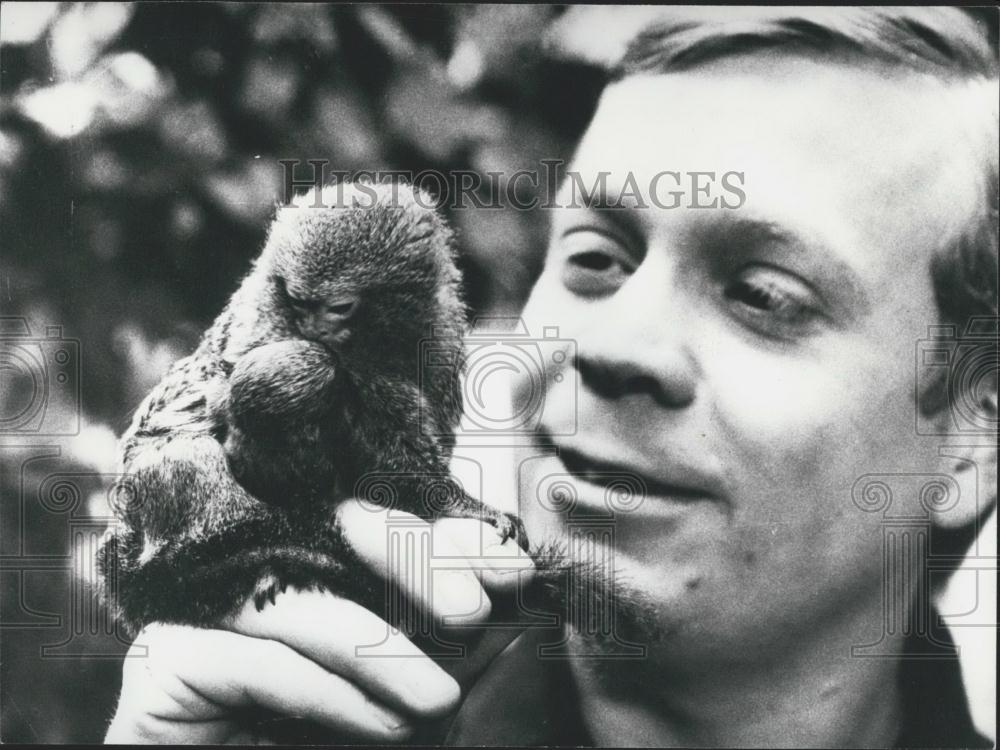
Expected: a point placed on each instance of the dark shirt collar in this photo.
(525, 701)
(935, 708)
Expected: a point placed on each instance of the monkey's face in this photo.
(371, 273)
(324, 315)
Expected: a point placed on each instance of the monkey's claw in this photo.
(510, 526)
(267, 591)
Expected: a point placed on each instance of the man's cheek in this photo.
(780, 418)
(795, 439)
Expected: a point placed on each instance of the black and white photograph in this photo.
(499, 374)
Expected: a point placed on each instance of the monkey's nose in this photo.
(331, 333)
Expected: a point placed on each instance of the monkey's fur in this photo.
(308, 382)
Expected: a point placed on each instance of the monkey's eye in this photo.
(343, 308)
(302, 304)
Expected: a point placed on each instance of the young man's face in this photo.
(750, 364)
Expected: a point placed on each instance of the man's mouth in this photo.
(597, 471)
(624, 482)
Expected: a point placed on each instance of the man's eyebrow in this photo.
(735, 235)
(757, 230)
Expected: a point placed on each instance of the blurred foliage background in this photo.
(139, 148)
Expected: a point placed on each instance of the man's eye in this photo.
(775, 303)
(593, 261)
(595, 264)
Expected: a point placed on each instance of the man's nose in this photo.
(637, 343)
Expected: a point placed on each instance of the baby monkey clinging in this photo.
(308, 383)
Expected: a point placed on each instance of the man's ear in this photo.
(970, 456)
(973, 466)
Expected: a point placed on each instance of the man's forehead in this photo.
(759, 112)
(770, 85)
(859, 156)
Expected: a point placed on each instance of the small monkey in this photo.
(307, 383)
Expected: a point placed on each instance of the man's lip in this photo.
(666, 478)
(598, 471)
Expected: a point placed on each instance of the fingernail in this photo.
(431, 688)
(390, 719)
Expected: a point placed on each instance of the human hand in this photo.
(299, 657)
